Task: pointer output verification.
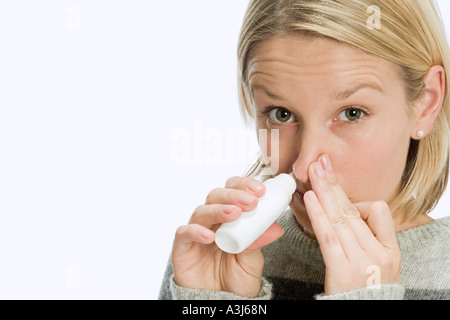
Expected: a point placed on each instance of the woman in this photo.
(357, 92)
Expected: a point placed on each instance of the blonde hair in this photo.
(411, 35)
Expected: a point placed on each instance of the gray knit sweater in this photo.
(294, 268)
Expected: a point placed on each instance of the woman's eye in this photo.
(280, 115)
(351, 115)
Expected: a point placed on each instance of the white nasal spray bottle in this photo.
(236, 236)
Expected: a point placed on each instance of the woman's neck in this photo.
(403, 225)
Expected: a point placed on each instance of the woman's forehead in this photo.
(295, 60)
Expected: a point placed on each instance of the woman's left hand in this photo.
(358, 241)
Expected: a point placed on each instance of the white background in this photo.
(98, 100)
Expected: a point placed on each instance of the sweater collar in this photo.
(425, 235)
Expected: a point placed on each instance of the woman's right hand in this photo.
(197, 261)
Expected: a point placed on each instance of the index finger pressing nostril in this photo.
(333, 198)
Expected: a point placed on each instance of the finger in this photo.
(379, 227)
(363, 208)
(330, 245)
(243, 199)
(345, 206)
(332, 207)
(186, 236)
(209, 215)
(382, 228)
(348, 210)
(363, 231)
(380, 221)
(272, 234)
(248, 184)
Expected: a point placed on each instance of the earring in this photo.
(420, 134)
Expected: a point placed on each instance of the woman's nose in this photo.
(311, 149)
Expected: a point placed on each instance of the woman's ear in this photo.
(429, 106)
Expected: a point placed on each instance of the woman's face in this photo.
(328, 98)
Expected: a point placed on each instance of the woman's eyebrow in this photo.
(349, 92)
(343, 95)
(259, 87)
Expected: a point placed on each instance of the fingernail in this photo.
(255, 186)
(318, 170)
(312, 196)
(326, 163)
(206, 234)
(228, 209)
(246, 199)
